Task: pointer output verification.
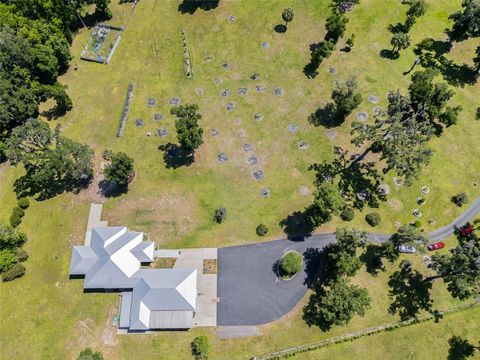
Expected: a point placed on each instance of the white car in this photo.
(407, 249)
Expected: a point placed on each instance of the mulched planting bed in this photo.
(209, 266)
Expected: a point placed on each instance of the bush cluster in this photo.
(220, 215)
(17, 214)
(290, 264)
(262, 230)
(200, 347)
(373, 219)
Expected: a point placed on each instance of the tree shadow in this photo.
(280, 28)
(174, 157)
(313, 257)
(410, 292)
(389, 54)
(398, 28)
(47, 187)
(372, 258)
(275, 266)
(326, 116)
(295, 226)
(109, 189)
(190, 6)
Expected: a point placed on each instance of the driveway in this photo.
(249, 291)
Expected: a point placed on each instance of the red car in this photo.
(436, 246)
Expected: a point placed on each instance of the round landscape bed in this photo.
(290, 264)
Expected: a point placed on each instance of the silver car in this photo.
(406, 249)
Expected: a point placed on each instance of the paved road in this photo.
(250, 293)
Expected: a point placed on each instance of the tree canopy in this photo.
(120, 169)
(346, 97)
(189, 134)
(328, 202)
(467, 20)
(341, 256)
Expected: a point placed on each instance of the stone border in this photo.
(187, 63)
(278, 266)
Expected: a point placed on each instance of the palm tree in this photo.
(287, 15)
(400, 41)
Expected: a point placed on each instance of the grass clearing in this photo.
(174, 207)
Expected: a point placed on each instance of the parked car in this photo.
(436, 246)
(406, 249)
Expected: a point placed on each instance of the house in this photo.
(151, 298)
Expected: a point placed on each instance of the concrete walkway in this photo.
(249, 291)
(94, 217)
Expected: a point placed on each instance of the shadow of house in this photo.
(190, 6)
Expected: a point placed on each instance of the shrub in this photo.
(17, 270)
(460, 199)
(373, 219)
(262, 230)
(11, 238)
(8, 258)
(23, 203)
(417, 224)
(290, 264)
(348, 214)
(107, 154)
(16, 217)
(22, 255)
(220, 215)
(477, 115)
(200, 347)
(120, 170)
(89, 354)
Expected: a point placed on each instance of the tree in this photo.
(417, 8)
(53, 163)
(348, 214)
(400, 41)
(89, 354)
(189, 134)
(328, 202)
(11, 238)
(341, 256)
(467, 22)
(351, 41)
(16, 271)
(287, 15)
(200, 347)
(335, 25)
(120, 170)
(460, 349)
(410, 291)
(405, 235)
(261, 230)
(460, 199)
(346, 97)
(290, 264)
(220, 215)
(373, 219)
(336, 304)
(461, 270)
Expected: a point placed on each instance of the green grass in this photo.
(46, 316)
(427, 340)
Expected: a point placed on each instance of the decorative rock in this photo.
(252, 160)
(174, 101)
(425, 189)
(162, 132)
(258, 116)
(152, 102)
(258, 175)
(218, 81)
(383, 189)
(304, 190)
(265, 45)
(332, 70)
(421, 200)
(265, 193)
(260, 88)
(139, 122)
(230, 106)
(158, 117)
(214, 132)
(417, 213)
(331, 134)
(222, 157)
(278, 91)
(373, 99)
(397, 181)
(225, 92)
(377, 110)
(242, 91)
(362, 116)
(303, 145)
(248, 147)
(292, 128)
